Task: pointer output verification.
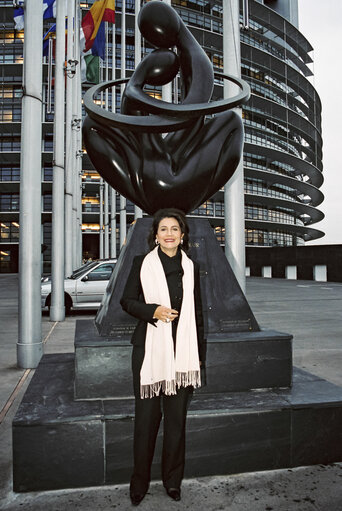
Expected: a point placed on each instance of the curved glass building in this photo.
(283, 144)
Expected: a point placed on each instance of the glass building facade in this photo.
(283, 144)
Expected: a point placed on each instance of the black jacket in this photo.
(133, 302)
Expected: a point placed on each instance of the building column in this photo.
(234, 189)
(57, 309)
(29, 345)
(69, 168)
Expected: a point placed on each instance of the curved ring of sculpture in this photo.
(156, 123)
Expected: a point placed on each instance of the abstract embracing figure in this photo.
(197, 156)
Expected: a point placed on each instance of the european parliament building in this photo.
(283, 145)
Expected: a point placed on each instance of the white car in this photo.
(85, 288)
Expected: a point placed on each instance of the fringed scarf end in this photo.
(169, 388)
(192, 378)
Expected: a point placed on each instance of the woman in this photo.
(163, 292)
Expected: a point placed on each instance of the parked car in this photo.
(85, 288)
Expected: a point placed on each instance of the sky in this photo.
(321, 23)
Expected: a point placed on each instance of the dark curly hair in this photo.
(169, 213)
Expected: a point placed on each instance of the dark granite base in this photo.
(235, 362)
(62, 443)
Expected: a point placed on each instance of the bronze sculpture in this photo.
(198, 155)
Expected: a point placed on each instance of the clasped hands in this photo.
(165, 314)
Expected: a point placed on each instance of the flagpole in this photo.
(101, 219)
(76, 126)
(106, 209)
(79, 171)
(167, 89)
(137, 59)
(49, 86)
(123, 218)
(29, 345)
(112, 191)
(101, 230)
(234, 189)
(113, 223)
(57, 310)
(68, 141)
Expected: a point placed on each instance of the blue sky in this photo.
(321, 23)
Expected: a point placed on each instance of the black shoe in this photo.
(174, 493)
(136, 498)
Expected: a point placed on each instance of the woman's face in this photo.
(169, 235)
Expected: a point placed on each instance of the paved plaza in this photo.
(311, 311)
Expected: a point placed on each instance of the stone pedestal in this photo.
(62, 443)
(235, 362)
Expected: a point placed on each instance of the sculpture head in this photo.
(159, 24)
(158, 68)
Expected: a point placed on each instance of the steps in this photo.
(60, 442)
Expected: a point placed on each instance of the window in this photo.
(47, 202)
(270, 238)
(48, 143)
(90, 227)
(5, 261)
(9, 231)
(10, 142)
(10, 92)
(48, 173)
(9, 202)
(220, 234)
(90, 176)
(205, 209)
(90, 204)
(102, 272)
(10, 173)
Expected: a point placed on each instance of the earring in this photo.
(182, 241)
(156, 241)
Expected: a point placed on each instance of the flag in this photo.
(90, 69)
(49, 11)
(101, 10)
(18, 18)
(93, 39)
(99, 47)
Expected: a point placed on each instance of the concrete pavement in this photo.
(311, 311)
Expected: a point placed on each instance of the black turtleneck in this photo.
(174, 273)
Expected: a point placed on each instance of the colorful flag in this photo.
(49, 11)
(90, 69)
(101, 10)
(99, 47)
(93, 39)
(18, 18)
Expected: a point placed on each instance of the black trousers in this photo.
(148, 414)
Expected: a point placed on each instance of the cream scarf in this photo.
(161, 368)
